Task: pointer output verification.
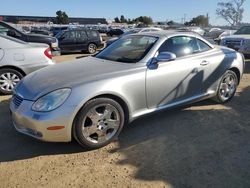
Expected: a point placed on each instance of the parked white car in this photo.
(18, 58)
(239, 41)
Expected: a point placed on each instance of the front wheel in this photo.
(227, 87)
(8, 80)
(98, 123)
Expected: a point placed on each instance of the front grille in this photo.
(17, 100)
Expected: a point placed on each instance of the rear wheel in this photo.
(92, 48)
(98, 123)
(227, 87)
(8, 80)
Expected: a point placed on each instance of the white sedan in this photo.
(18, 58)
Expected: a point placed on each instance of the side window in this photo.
(69, 35)
(203, 46)
(180, 46)
(3, 30)
(92, 34)
(81, 35)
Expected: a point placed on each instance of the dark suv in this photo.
(7, 29)
(79, 40)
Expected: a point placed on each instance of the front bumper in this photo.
(36, 124)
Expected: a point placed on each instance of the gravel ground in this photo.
(204, 145)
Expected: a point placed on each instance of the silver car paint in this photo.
(25, 56)
(142, 88)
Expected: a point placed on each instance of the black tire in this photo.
(219, 97)
(5, 71)
(81, 119)
(92, 48)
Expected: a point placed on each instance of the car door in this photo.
(81, 40)
(67, 41)
(1, 54)
(178, 80)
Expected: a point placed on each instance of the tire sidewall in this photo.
(81, 115)
(95, 48)
(6, 70)
(218, 97)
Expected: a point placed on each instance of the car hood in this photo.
(69, 75)
(237, 37)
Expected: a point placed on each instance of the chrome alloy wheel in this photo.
(101, 123)
(228, 87)
(8, 81)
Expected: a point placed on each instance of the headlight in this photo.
(52, 100)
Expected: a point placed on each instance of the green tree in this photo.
(200, 20)
(144, 19)
(123, 19)
(62, 17)
(117, 20)
(231, 11)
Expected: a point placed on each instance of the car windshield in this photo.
(129, 49)
(58, 35)
(243, 31)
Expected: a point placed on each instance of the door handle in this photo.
(204, 63)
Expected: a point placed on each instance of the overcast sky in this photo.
(159, 10)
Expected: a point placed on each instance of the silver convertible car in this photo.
(92, 98)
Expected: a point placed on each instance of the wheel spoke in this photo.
(113, 124)
(93, 115)
(4, 77)
(89, 130)
(8, 75)
(16, 80)
(107, 112)
(102, 136)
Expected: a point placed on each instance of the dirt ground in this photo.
(204, 145)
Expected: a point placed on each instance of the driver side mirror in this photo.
(165, 56)
(162, 57)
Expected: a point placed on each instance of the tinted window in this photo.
(203, 46)
(129, 49)
(3, 30)
(70, 35)
(93, 34)
(81, 34)
(244, 30)
(180, 46)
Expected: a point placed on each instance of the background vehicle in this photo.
(79, 40)
(239, 41)
(56, 30)
(42, 32)
(137, 75)
(18, 58)
(133, 31)
(193, 29)
(115, 32)
(6, 29)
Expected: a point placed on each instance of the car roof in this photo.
(169, 33)
(172, 33)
